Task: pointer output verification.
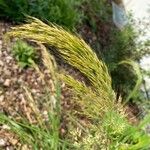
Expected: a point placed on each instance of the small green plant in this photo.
(24, 53)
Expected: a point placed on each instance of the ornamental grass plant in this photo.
(99, 122)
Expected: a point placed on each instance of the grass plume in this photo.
(73, 49)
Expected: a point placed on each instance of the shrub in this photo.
(96, 11)
(115, 45)
(124, 45)
(62, 12)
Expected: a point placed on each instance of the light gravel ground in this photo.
(13, 77)
(12, 97)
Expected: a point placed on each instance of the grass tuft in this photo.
(73, 50)
(102, 124)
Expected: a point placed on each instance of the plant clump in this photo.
(24, 53)
(103, 123)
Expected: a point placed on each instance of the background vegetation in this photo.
(115, 46)
(62, 12)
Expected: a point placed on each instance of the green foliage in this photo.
(115, 45)
(136, 89)
(123, 45)
(24, 53)
(13, 9)
(95, 11)
(124, 136)
(44, 135)
(62, 12)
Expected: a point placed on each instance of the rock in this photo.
(24, 147)
(7, 72)
(8, 49)
(63, 85)
(1, 91)
(1, 63)
(0, 51)
(1, 98)
(9, 148)
(13, 141)
(8, 59)
(7, 82)
(34, 91)
(2, 143)
(6, 127)
(0, 45)
(5, 53)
